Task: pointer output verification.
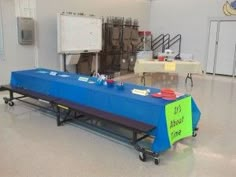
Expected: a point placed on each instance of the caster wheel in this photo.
(194, 134)
(157, 161)
(142, 156)
(5, 100)
(11, 103)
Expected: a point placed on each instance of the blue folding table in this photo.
(85, 90)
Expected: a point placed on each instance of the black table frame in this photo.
(72, 112)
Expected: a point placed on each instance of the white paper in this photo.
(53, 73)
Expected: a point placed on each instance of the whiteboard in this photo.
(78, 34)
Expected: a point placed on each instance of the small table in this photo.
(150, 66)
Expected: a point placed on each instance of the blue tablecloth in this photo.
(121, 102)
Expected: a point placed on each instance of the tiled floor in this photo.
(31, 145)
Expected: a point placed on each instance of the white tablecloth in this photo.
(193, 67)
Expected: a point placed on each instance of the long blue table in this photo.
(68, 86)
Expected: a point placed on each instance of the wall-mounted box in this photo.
(25, 27)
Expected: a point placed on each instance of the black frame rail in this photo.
(166, 42)
(173, 41)
(163, 41)
(67, 111)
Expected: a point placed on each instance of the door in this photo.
(226, 48)
(212, 46)
(221, 48)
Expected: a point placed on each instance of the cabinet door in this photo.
(226, 48)
(211, 47)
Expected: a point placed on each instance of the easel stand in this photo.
(77, 34)
(64, 62)
(96, 63)
(64, 56)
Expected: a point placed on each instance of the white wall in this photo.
(22, 57)
(16, 57)
(186, 17)
(46, 17)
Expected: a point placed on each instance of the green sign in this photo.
(179, 119)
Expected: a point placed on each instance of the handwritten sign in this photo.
(140, 92)
(170, 66)
(179, 119)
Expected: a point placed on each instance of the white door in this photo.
(226, 48)
(212, 46)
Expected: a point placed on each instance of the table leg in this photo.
(134, 137)
(189, 76)
(58, 116)
(143, 79)
(64, 63)
(11, 95)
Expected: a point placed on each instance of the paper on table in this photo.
(83, 79)
(140, 92)
(64, 75)
(53, 73)
(170, 66)
(42, 72)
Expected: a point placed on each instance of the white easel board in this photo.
(78, 34)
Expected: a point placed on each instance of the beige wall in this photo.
(46, 16)
(16, 57)
(22, 57)
(186, 17)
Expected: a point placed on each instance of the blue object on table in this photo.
(120, 86)
(99, 82)
(141, 108)
(110, 83)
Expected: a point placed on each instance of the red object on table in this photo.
(166, 94)
(167, 91)
(110, 81)
(157, 95)
(161, 58)
(169, 98)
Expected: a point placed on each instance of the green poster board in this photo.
(179, 119)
